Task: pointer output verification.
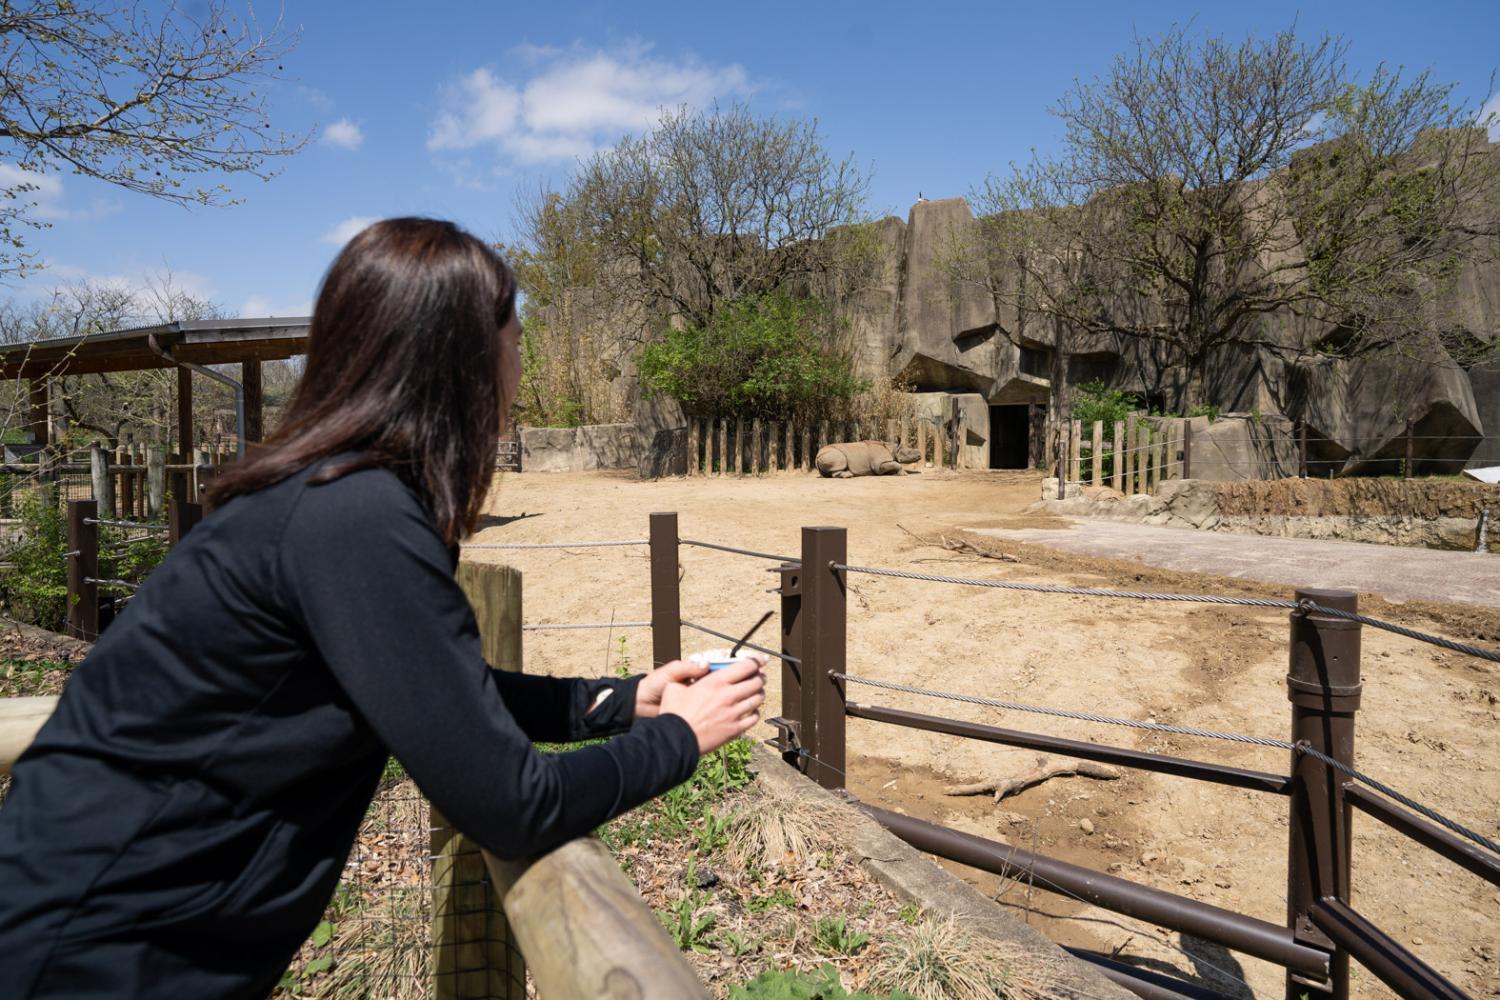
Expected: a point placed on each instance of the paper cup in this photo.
(715, 659)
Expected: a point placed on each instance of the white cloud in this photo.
(346, 230)
(46, 198)
(574, 102)
(259, 305)
(344, 134)
(1489, 114)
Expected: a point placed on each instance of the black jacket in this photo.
(181, 821)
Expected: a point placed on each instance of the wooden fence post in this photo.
(737, 464)
(156, 480)
(1097, 479)
(773, 447)
(103, 480)
(1143, 458)
(922, 443)
(790, 446)
(1118, 456)
(757, 460)
(1075, 451)
(723, 446)
(181, 517)
(1161, 456)
(822, 435)
(666, 602)
(1130, 455)
(1187, 449)
(806, 462)
(824, 645)
(83, 567)
(474, 953)
(692, 462)
(1302, 449)
(1323, 684)
(1406, 466)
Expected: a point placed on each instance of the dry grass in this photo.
(938, 960)
(774, 830)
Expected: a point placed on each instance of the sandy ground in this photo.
(1428, 723)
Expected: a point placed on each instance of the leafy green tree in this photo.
(137, 99)
(1210, 193)
(770, 356)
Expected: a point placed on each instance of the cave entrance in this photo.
(1010, 437)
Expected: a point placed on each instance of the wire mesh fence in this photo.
(375, 939)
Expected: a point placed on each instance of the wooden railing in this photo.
(570, 915)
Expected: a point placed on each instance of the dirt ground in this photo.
(1427, 725)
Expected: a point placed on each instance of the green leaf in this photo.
(322, 934)
(320, 964)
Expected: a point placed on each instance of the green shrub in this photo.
(790, 985)
(1096, 401)
(35, 589)
(768, 356)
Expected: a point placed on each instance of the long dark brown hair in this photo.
(403, 371)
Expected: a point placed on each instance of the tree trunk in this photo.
(1061, 418)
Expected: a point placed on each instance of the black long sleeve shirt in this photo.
(181, 821)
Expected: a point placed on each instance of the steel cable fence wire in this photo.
(740, 552)
(786, 657)
(1177, 730)
(550, 545)
(1138, 595)
(547, 626)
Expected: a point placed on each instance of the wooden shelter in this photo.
(187, 346)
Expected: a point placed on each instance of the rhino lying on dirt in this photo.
(865, 458)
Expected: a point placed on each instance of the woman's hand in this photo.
(724, 704)
(648, 692)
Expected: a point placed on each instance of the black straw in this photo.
(753, 629)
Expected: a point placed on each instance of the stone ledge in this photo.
(912, 876)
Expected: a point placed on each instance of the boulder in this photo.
(1192, 503)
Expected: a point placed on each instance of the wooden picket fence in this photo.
(1133, 456)
(739, 447)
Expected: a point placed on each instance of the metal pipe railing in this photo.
(1236, 777)
(1188, 916)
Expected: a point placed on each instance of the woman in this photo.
(181, 821)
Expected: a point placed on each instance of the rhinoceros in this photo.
(864, 458)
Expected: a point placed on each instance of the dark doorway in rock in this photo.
(1010, 436)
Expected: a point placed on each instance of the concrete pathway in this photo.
(1398, 574)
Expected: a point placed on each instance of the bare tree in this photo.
(137, 99)
(706, 209)
(1213, 193)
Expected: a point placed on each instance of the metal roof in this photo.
(204, 342)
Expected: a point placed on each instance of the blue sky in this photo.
(450, 108)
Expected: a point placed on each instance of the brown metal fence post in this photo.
(824, 644)
(666, 602)
(181, 516)
(83, 566)
(791, 673)
(1323, 685)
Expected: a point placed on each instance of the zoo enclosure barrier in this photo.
(1323, 788)
(733, 446)
(130, 481)
(88, 612)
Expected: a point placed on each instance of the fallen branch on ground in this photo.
(1002, 787)
(958, 545)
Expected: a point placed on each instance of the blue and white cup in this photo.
(716, 659)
